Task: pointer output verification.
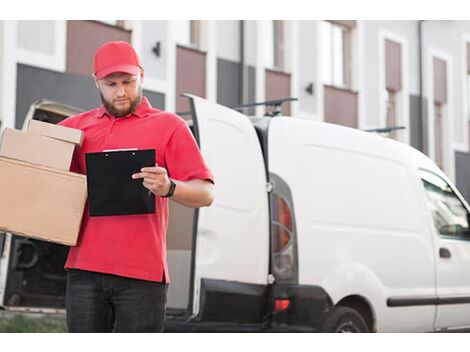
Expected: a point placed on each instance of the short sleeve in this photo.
(183, 158)
(74, 166)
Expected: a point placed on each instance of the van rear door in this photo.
(232, 240)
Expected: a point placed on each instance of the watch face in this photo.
(172, 189)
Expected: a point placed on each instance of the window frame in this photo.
(465, 238)
(391, 114)
(279, 45)
(118, 24)
(195, 34)
(438, 120)
(347, 64)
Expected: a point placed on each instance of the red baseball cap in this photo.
(114, 57)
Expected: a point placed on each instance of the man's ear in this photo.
(141, 74)
(96, 81)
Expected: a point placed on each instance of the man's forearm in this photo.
(194, 193)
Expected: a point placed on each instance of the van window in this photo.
(450, 216)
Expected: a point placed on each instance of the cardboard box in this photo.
(41, 202)
(46, 129)
(37, 149)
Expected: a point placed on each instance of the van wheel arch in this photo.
(362, 306)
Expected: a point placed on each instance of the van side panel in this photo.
(361, 224)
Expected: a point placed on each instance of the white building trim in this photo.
(56, 61)
(404, 97)
(209, 31)
(7, 116)
(170, 98)
(8, 96)
(448, 154)
(292, 63)
(260, 90)
(359, 72)
(319, 90)
(136, 36)
(464, 146)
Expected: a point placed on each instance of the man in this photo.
(117, 273)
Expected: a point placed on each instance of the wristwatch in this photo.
(171, 191)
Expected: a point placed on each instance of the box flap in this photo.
(37, 149)
(62, 133)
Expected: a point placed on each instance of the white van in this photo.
(314, 227)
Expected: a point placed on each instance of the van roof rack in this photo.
(275, 104)
(385, 129)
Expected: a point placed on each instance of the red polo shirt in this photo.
(133, 245)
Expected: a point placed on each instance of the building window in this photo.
(188, 33)
(115, 23)
(440, 116)
(279, 44)
(274, 42)
(438, 135)
(195, 33)
(391, 112)
(336, 54)
(393, 86)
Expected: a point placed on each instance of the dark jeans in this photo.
(98, 302)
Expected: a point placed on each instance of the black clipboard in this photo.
(111, 189)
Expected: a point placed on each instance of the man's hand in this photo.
(155, 178)
(194, 193)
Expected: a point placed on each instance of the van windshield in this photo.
(450, 216)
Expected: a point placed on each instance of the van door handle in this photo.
(444, 253)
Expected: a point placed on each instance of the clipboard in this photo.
(111, 189)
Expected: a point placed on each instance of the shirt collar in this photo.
(142, 110)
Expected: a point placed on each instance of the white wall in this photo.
(250, 43)
(308, 60)
(181, 32)
(228, 40)
(8, 74)
(36, 36)
(153, 32)
(41, 44)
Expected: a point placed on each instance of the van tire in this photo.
(344, 319)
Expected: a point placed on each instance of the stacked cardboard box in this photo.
(39, 197)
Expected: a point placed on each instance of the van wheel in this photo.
(344, 319)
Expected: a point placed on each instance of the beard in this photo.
(111, 109)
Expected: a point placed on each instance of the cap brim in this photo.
(129, 69)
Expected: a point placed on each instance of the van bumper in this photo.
(307, 310)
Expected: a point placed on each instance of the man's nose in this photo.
(120, 91)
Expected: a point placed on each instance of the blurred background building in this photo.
(361, 74)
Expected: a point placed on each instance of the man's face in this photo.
(120, 93)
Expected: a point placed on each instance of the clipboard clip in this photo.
(119, 150)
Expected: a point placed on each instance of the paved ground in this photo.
(31, 322)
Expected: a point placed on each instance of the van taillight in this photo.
(281, 305)
(283, 220)
(283, 240)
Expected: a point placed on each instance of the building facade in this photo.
(361, 74)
